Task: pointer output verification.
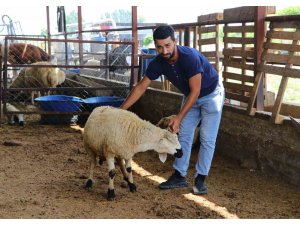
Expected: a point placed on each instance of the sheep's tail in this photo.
(77, 127)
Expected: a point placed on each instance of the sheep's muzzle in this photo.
(178, 153)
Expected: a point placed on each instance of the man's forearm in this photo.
(133, 96)
(190, 100)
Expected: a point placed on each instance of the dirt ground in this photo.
(43, 175)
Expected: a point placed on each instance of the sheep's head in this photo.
(62, 76)
(168, 144)
(164, 122)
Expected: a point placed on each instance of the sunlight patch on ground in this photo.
(200, 200)
(212, 206)
(144, 173)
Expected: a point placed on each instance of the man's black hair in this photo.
(163, 32)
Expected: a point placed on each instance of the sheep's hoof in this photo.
(89, 184)
(16, 119)
(111, 194)
(132, 187)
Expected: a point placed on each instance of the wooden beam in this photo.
(239, 29)
(259, 36)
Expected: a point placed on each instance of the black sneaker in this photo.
(200, 187)
(174, 181)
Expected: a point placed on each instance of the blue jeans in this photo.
(208, 111)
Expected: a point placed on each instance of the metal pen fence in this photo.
(54, 90)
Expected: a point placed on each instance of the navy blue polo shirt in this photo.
(189, 63)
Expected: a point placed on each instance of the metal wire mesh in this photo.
(65, 86)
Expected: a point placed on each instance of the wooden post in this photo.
(187, 36)
(259, 35)
(134, 74)
(48, 30)
(80, 34)
(195, 37)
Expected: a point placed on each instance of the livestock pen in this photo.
(255, 172)
(95, 77)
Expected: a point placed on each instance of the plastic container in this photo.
(93, 102)
(59, 103)
(99, 39)
(75, 70)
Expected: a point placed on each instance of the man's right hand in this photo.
(174, 124)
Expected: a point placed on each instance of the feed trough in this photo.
(59, 103)
(93, 102)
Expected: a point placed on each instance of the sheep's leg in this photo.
(89, 182)
(32, 97)
(10, 119)
(21, 119)
(131, 185)
(122, 167)
(18, 118)
(15, 74)
(112, 174)
(33, 93)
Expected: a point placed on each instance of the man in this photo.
(188, 70)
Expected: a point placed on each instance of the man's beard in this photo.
(169, 56)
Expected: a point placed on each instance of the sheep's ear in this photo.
(162, 157)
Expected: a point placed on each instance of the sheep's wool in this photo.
(112, 131)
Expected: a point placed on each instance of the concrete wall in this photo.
(259, 144)
(156, 104)
(254, 141)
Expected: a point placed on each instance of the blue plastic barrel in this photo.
(99, 39)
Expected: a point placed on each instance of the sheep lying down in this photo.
(114, 133)
(13, 118)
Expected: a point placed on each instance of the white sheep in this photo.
(116, 133)
(42, 76)
(12, 117)
(93, 62)
(164, 124)
(29, 77)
